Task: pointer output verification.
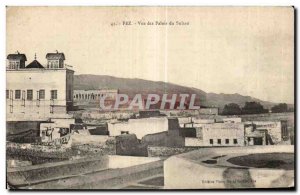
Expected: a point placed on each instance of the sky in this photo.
(245, 50)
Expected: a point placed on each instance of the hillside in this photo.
(134, 86)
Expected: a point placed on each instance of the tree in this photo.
(280, 108)
(253, 108)
(231, 109)
(291, 109)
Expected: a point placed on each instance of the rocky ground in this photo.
(38, 154)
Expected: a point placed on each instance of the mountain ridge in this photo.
(132, 86)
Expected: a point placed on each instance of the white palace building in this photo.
(37, 92)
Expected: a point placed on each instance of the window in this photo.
(124, 132)
(60, 62)
(18, 94)
(227, 141)
(235, 141)
(41, 94)
(53, 64)
(11, 65)
(17, 65)
(219, 141)
(53, 94)
(29, 94)
(43, 135)
(211, 141)
(7, 94)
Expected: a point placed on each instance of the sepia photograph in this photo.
(150, 98)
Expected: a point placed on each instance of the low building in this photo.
(232, 120)
(191, 122)
(209, 111)
(86, 95)
(171, 138)
(143, 126)
(204, 121)
(218, 134)
(149, 113)
(255, 137)
(275, 130)
(184, 120)
(95, 95)
(55, 129)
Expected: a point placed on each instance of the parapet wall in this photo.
(163, 151)
(43, 172)
(102, 172)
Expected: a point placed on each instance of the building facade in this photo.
(209, 111)
(276, 131)
(218, 134)
(233, 132)
(36, 92)
(55, 128)
(95, 95)
(232, 120)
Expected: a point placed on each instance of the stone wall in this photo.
(106, 115)
(162, 151)
(129, 145)
(14, 127)
(38, 154)
(167, 138)
(31, 174)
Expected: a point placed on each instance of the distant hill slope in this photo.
(134, 86)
